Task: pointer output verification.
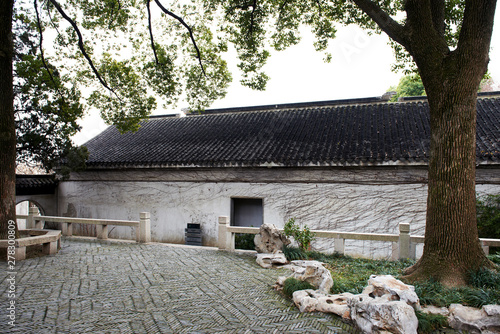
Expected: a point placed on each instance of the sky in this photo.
(360, 67)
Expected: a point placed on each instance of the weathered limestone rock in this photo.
(312, 301)
(313, 272)
(385, 306)
(269, 239)
(473, 320)
(382, 315)
(381, 285)
(270, 260)
(431, 309)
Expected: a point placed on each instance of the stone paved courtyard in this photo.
(94, 286)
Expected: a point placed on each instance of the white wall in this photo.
(347, 207)
(342, 207)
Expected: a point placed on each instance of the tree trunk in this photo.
(7, 122)
(451, 79)
(452, 248)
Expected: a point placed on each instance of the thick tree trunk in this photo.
(451, 79)
(7, 123)
(452, 247)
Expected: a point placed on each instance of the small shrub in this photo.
(292, 284)
(488, 217)
(428, 323)
(303, 235)
(476, 297)
(495, 258)
(346, 285)
(485, 278)
(434, 293)
(244, 241)
(294, 253)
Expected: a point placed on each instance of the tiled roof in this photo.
(318, 134)
(35, 184)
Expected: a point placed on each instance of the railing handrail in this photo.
(403, 243)
(329, 234)
(142, 227)
(90, 221)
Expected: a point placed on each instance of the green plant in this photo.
(495, 258)
(244, 241)
(292, 284)
(428, 323)
(303, 235)
(485, 278)
(488, 216)
(294, 253)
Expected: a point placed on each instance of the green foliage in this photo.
(485, 278)
(294, 253)
(428, 323)
(47, 103)
(302, 235)
(352, 274)
(434, 293)
(409, 85)
(495, 258)
(128, 103)
(488, 216)
(74, 160)
(244, 241)
(292, 284)
(483, 289)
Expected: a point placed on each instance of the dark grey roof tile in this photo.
(289, 136)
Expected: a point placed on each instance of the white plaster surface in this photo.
(367, 208)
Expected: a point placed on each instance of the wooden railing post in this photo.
(404, 240)
(144, 234)
(225, 238)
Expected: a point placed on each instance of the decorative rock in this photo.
(387, 285)
(269, 239)
(312, 301)
(431, 309)
(313, 272)
(485, 320)
(271, 260)
(379, 315)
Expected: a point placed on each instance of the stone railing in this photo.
(403, 244)
(142, 227)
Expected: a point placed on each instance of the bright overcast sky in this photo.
(361, 67)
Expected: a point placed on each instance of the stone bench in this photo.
(49, 239)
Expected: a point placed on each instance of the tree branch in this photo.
(437, 11)
(82, 46)
(477, 28)
(39, 25)
(392, 28)
(150, 28)
(189, 30)
(252, 19)
(113, 11)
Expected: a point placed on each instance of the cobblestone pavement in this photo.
(94, 286)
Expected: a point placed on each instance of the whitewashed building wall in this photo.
(356, 200)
